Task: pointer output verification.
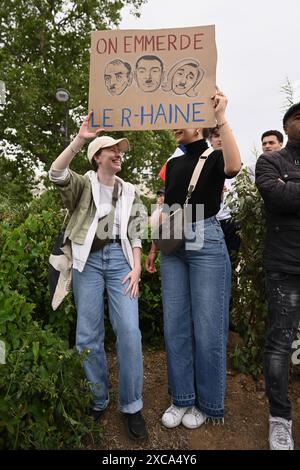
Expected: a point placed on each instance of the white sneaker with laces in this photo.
(280, 434)
(172, 417)
(193, 418)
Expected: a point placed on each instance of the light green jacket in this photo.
(77, 195)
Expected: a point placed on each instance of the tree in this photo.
(44, 45)
(289, 94)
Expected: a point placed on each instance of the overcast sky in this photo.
(258, 47)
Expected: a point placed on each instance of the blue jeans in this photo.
(283, 296)
(106, 268)
(196, 283)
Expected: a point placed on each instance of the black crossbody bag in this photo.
(169, 234)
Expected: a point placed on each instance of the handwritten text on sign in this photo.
(156, 79)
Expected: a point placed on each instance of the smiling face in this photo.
(184, 79)
(109, 159)
(148, 74)
(117, 78)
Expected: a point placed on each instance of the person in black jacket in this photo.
(278, 181)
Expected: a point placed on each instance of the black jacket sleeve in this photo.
(279, 195)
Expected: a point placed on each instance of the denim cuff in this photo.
(131, 408)
(184, 400)
(212, 411)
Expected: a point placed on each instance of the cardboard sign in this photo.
(153, 79)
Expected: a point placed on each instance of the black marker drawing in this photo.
(149, 73)
(184, 77)
(117, 76)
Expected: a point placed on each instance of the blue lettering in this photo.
(185, 117)
(160, 112)
(170, 113)
(196, 111)
(93, 122)
(143, 114)
(126, 113)
(106, 118)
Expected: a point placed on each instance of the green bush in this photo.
(43, 395)
(249, 310)
(24, 265)
(150, 306)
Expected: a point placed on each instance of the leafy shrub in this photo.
(43, 396)
(249, 309)
(150, 306)
(24, 264)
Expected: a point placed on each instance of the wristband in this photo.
(221, 125)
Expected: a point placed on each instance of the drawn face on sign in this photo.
(184, 77)
(117, 76)
(148, 73)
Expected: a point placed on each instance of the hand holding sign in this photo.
(219, 101)
(84, 132)
(152, 79)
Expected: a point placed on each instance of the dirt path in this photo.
(246, 415)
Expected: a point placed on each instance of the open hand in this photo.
(84, 132)
(133, 287)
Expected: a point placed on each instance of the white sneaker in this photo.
(172, 417)
(193, 418)
(280, 434)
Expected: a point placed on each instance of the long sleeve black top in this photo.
(209, 186)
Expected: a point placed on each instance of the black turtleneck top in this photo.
(210, 183)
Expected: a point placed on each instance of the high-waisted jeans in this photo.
(283, 296)
(196, 283)
(106, 268)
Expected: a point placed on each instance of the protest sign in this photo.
(153, 79)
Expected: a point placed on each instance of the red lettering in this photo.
(171, 41)
(185, 41)
(127, 43)
(197, 40)
(160, 43)
(138, 42)
(112, 46)
(107, 47)
(101, 46)
(149, 42)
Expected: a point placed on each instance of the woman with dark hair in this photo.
(196, 279)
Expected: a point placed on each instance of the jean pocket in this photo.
(213, 234)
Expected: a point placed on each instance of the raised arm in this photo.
(231, 153)
(65, 158)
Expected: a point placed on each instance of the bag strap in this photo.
(197, 172)
(115, 194)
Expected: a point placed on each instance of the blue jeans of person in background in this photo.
(106, 268)
(196, 283)
(283, 296)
